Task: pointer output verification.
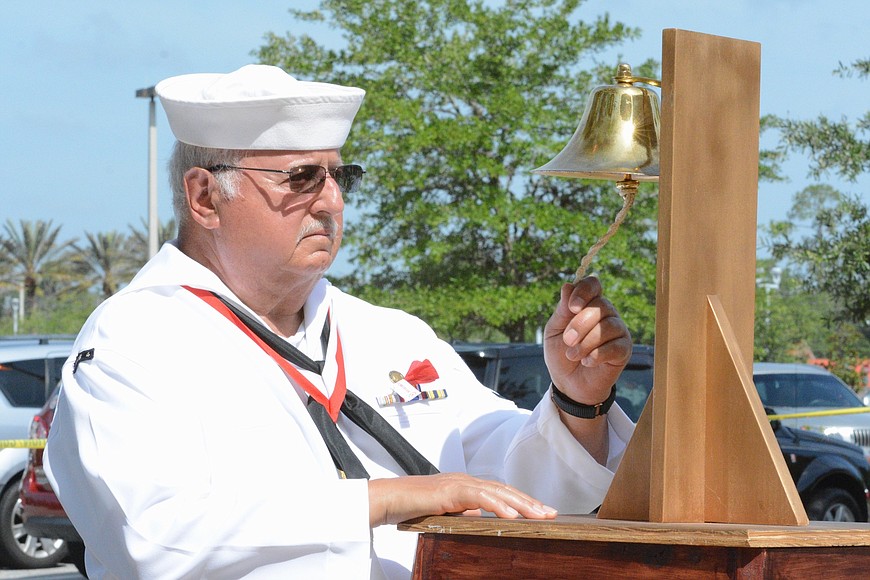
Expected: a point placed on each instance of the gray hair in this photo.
(184, 157)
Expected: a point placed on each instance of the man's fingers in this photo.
(498, 498)
(583, 292)
(573, 299)
(613, 352)
(596, 323)
(397, 499)
(523, 504)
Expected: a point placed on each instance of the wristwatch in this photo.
(580, 410)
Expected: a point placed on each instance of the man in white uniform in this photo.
(188, 443)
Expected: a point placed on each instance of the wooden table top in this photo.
(590, 528)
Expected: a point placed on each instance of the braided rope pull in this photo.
(627, 188)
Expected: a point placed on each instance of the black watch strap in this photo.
(580, 410)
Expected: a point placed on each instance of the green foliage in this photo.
(835, 257)
(59, 277)
(106, 261)
(860, 67)
(770, 160)
(848, 346)
(463, 99)
(34, 258)
(841, 147)
(61, 314)
(460, 311)
(833, 145)
(137, 241)
(822, 311)
(793, 324)
(825, 242)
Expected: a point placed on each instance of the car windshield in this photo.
(804, 390)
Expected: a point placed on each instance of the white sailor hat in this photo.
(258, 107)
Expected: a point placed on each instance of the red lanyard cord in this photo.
(354, 408)
(331, 404)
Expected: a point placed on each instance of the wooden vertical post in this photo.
(703, 450)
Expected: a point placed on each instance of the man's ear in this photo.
(202, 192)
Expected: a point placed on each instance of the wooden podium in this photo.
(702, 490)
(570, 547)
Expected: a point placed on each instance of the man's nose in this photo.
(330, 199)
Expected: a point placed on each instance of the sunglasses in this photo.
(310, 178)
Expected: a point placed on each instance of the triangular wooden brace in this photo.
(629, 494)
(746, 480)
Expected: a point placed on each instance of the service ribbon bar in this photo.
(389, 400)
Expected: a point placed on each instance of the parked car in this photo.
(517, 372)
(41, 512)
(800, 388)
(29, 370)
(832, 475)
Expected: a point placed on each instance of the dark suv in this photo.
(832, 476)
(517, 372)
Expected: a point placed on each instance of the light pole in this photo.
(775, 279)
(15, 303)
(152, 169)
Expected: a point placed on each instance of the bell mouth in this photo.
(609, 175)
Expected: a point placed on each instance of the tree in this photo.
(106, 261)
(33, 256)
(833, 146)
(463, 99)
(835, 257)
(137, 242)
(794, 325)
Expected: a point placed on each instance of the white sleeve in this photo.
(533, 452)
(545, 460)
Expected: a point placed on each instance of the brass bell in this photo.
(618, 135)
(617, 138)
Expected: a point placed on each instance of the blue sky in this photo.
(73, 137)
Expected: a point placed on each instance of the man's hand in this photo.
(398, 499)
(586, 346)
(586, 343)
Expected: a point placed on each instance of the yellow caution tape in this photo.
(40, 443)
(828, 413)
(22, 443)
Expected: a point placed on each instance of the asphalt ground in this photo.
(62, 572)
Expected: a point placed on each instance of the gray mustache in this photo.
(325, 223)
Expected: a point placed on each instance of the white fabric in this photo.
(181, 451)
(258, 107)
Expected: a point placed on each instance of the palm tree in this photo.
(106, 261)
(138, 240)
(33, 257)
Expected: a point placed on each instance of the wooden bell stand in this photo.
(703, 490)
(705, 450)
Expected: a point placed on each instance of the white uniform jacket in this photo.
(182, 450)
